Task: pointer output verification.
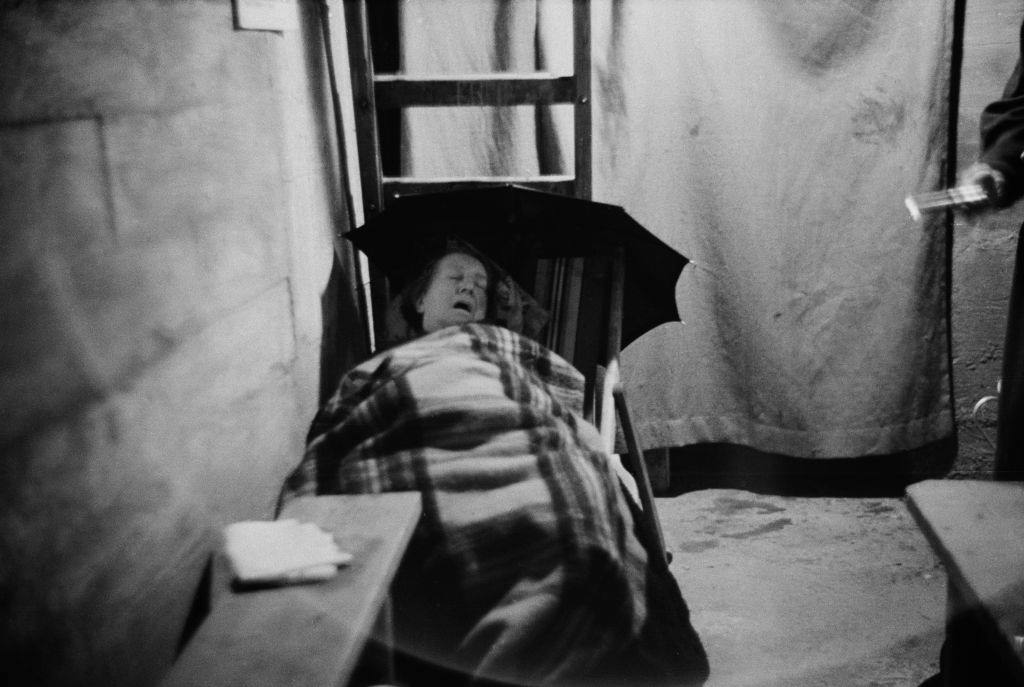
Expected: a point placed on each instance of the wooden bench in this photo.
(311, 634)
(977, 530)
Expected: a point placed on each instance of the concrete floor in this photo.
(802, 591)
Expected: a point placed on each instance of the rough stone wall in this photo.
(168, 195)
(983, 248)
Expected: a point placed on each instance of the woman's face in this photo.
(457, 293)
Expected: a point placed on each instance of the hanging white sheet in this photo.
(773, 144)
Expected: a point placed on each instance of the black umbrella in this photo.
(512, 225)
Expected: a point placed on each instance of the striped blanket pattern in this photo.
(525, 567)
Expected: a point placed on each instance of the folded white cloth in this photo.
(281, 552)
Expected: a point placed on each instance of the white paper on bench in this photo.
(281, 552)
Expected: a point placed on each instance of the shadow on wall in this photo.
(731, 466)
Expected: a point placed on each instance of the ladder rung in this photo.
(402, 186)
(393, 91)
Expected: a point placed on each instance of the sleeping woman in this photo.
(526, 567)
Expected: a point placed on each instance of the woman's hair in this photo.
(417, 288)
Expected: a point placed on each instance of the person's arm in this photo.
(999, 166)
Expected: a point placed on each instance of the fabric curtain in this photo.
(773, 144)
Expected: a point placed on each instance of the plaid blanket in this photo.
(525, 567)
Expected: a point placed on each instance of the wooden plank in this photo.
(555, 304)
(367, 147)
(334, 32)
(569, 305)
(591, 327)
(977, 530)
(402, 186)
(361, 65)
(306, 634)
(649, 522)
(543, 286)
(582, 119)
(395, 91)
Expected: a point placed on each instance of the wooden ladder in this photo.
(374, 94)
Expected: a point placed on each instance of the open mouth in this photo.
(463, 305)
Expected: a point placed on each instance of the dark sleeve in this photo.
(1002, 131)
